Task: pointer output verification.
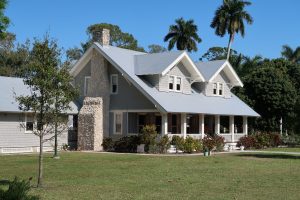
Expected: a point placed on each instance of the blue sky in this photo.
(276, 22)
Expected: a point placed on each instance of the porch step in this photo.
(172, 149)
(231, 146)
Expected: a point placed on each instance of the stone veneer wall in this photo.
(90, 124)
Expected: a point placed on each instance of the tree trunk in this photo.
(229, 45)
(40, 177)
(55, 140)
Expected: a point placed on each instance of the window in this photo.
(220, 89)
(215, 85)
(171, 83)
(28, 124)
(141, 121)
(87, 80)
(114, 84)
(118, 123)
(174, 124)
(178, 83)
(192, 124)
(175, 83)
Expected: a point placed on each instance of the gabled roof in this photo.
(211, 69)
(124, 61)
(162, 63)
(12, 87)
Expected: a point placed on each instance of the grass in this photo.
(127, 176)
(284, 149)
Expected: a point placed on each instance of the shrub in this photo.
(208, 143)
(127, 144)
(17, 189)
(163, 144)
(154, 148)
(178, 142)
(247, 141)
(219, 142)
(148, 136)
(198, 145)
(189, 145)
(108, 144)
(291, 140)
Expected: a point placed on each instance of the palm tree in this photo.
(184, 34)
(230, 18)
(291, 55)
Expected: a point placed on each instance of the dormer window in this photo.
(175, 83)
(218, 89)
(114, 84)
(171, 82)
(178, 83)
(215, 86)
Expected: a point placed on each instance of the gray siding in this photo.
(177, 70)
(221, 78)
(124, 124)
(128, 97)
(111, 124)
(12, 133)
(80, 78)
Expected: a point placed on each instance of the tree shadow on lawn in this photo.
(269, 155)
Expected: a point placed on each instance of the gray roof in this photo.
(124, 60)
(154, 63)
(12, 87)
(208, 69)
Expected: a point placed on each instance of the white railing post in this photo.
(231, 127)
(183, 125)
(245, 125)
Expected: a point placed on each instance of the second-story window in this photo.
(171, 82)
(114, 84)
(178, 83)
(220, 89)
(215, 86)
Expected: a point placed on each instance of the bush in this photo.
(291, 140)
(127, 144)
(17, 190)
(208, 143)
(191, 145)
(178, 142)
(148, 136)
(108, 144)
(163, 144)
(260, 140)
(219, 142)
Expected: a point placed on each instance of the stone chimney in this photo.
(103, 37)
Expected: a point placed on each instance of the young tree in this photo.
(45, 82)
(229, 18)
(184, 35)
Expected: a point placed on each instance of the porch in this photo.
(185, 124)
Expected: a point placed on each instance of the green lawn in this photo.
(122, 176)
(289, 149)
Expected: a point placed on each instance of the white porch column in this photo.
(201, 125)
(164, 124)
(231, 127)
(217, 124)
(245, 125)
(183, 125)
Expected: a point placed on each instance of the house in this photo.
(122, 90)
(16, 127)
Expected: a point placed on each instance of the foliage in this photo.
(290, 54)
(148, 136)
(155, 48)
(191, 145)
(291, 140)
(74, 54)
(216, 53)
(208, 143)
(163, 144)
(260, 140)
(127, 144)
(219, 142)
(108, 144)
(272, 93)
(178, 142)
(4, 21)
(50, 92)
(184, 35)
(229, 18)
(17, 190)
